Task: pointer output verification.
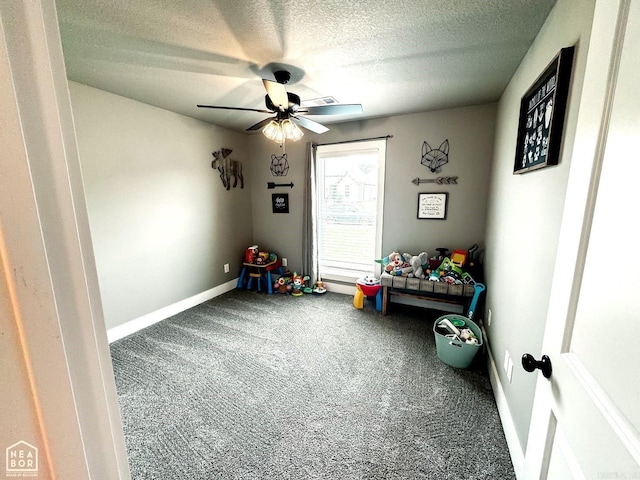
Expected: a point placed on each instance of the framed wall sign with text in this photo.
(542, 112)
(432, 206)
(280, 202)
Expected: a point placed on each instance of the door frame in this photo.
(605, 47)
(46, 254)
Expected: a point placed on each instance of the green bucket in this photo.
(453, 352)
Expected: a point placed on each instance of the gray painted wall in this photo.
(470, 131)
(159, 212)
(162, 224)
(525, 210)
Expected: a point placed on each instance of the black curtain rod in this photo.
(314, 144)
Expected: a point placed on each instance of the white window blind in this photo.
(350, 182)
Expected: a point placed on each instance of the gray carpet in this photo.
(255, 386)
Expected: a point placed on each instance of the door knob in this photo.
(529, 363)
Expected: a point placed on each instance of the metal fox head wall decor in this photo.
(434, 158)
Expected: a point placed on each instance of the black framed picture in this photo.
(432, 206)
(542, 112)
(280, 202)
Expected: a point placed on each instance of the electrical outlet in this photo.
(489, 318)
(226, 268)
(284, 262)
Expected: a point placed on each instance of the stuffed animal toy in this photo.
(419, 264)
(396, 264)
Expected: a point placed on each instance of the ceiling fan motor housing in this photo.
(282, 76)
(294, 103)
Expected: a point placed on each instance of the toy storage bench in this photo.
(425, 293)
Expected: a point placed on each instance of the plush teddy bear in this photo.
(419, 263)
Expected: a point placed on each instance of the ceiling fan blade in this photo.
(309, 124)
(336, 109)
(235, 108)
(277, 93)
(260, 124)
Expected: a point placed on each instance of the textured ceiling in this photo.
(392, 56)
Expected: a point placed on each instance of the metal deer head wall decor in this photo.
(228, 168)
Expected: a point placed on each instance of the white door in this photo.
(586, 417)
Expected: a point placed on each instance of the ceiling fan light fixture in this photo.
(282, 130)
(273, 131)
(285, 106)
(291, 131)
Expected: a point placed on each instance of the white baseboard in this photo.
(509, 428)
(132, 326)
(340, 287)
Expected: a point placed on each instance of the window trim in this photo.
(346, 149)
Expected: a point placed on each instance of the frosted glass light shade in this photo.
(291, 130)
(283, 130)
(273, 131)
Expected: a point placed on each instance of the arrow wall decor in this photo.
(272, 185)
(439, 180)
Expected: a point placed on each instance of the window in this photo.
(349, 208)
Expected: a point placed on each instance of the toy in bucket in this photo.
(458, 338)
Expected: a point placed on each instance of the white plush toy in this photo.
(418, 264)
(396, 264)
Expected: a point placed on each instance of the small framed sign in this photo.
(432, 206)
(542, 112)
(280, 202)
